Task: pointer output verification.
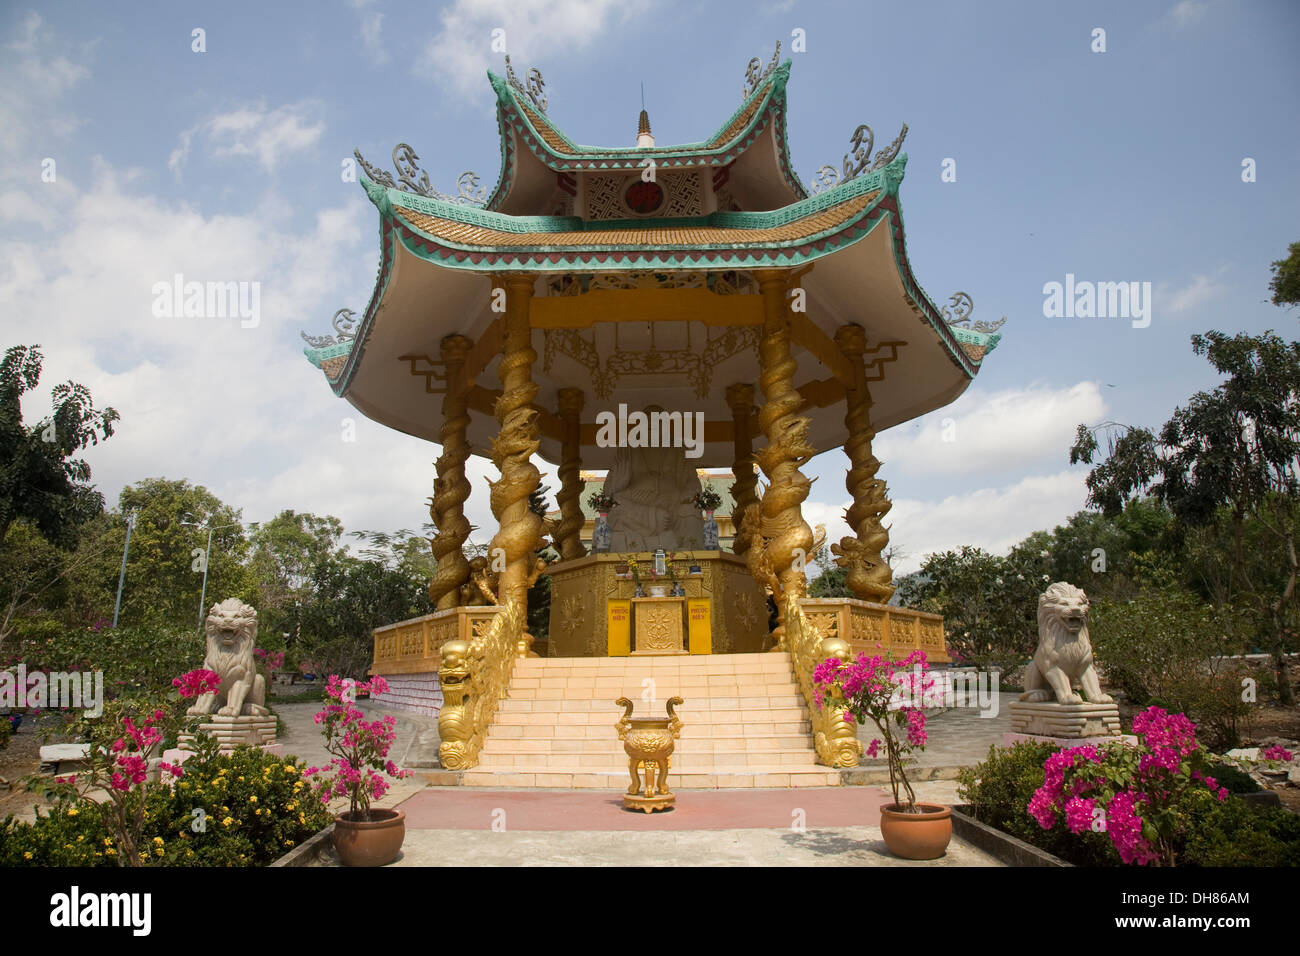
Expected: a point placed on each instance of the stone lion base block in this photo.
(1050, 719)
(231, 732)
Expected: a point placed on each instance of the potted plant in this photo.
(883, 691)
(707, 500)
(362, 836)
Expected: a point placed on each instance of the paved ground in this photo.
(843, 846)
(958, 737)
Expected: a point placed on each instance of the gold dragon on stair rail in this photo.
(474, 676)
(835, 739)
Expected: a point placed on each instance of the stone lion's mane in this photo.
(236, 663)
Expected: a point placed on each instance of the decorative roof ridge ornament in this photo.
(958, 313)
(344, 328)
(412, 179)
(753, 78)
(536, 88)
(862, 142)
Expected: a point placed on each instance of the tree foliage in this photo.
(1227, 457)
(40, 479)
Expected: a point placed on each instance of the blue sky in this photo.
(1117, 166)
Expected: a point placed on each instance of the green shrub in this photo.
(1166, 648)
(6, 731)
(65, 836)
(1232, 833)
(998, 792)
(255, 809)
(1234, 779)
(142, 657)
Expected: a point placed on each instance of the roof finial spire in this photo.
(644, 139)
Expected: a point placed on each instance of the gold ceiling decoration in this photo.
(695, 364)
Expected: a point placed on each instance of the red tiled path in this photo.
(458, 808)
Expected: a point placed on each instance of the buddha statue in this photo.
(653, 488)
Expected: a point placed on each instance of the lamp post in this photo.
(121, 577)
(207, 554)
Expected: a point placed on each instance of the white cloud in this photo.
(1187, 12)
(992, 432)
(32, 81)
(461, 52)
(372, 25)
(1201, 289)
(269, 136)
(994, 519)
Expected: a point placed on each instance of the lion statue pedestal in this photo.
(236, 712)
(1063, 700)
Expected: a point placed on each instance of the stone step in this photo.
(575, 714)
(665, 687)
(775, 777)
(611, 761)
(767, 743)
(526, 725)
(603, 707)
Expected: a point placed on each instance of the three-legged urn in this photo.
(649, 743)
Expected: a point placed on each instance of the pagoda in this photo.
(698, 284)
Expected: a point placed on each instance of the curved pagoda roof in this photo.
(639, 303)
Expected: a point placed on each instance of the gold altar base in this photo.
(725, 610)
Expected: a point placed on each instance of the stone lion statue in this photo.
(1063, 659)
(231, 630)
(1064, 656)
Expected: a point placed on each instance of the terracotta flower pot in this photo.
(916, 836)
(373, 843)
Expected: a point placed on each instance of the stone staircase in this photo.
(745, 723)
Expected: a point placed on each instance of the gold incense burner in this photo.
(649, 745)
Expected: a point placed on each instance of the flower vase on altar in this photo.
(600, 535)
(710, 532)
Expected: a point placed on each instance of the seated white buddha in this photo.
(653, 488)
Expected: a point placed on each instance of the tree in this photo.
(164, 575)
(1285, 284)
(286, 551)
(1229, 455)
(39, 478)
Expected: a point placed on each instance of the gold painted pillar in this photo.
(740, 398)
(868, 574)
(568, 533)
(520, 531)
(451, 488)
(787, 537)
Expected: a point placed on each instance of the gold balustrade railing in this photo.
(818, 628)
(878, 628)
(474, 675)
(415, 646)
(835, 739)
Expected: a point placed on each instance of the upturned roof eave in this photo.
(766, 99)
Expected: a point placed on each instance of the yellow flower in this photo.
(227, 821)
(27, 855)
(288, 843)
(72, 811)
(252, 799)
(292, 805)
(158, 851)
(297, 786)
(110, 852)
(157, 841)
(302, 819)
(241, 779)
(81, 839)
(291, 769)
(107, 842)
